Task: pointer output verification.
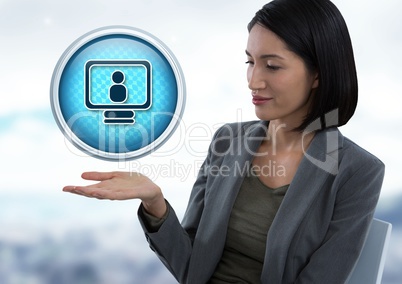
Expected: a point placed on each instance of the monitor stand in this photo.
(118, 117)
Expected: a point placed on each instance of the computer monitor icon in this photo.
(118, 87)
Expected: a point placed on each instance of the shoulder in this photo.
(352, 153)
(236, 135)
(360, 174)
(358, 164)
(330, 142)
(338, 155)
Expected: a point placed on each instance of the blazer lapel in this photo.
(319, 162)
(211, 234)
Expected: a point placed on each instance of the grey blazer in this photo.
(321, 225)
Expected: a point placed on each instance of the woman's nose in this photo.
(255, 79)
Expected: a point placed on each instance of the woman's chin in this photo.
(264, 115)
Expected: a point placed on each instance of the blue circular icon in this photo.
(117, 93)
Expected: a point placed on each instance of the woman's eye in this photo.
(249, 62)
(272, 67)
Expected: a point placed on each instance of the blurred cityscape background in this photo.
(42, 246)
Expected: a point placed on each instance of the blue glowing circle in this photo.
(151, 93)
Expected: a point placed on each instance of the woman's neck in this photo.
(283, 138)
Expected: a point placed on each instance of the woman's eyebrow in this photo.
(264, 56)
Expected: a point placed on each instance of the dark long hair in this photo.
(316, 31)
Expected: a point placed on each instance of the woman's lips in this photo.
(258, 100)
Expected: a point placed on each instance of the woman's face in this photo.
(280, 82)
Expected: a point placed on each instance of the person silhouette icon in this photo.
(118, 91)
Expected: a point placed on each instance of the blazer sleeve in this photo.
(173, 241)
(354, 208)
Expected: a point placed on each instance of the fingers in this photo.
(85, 191)
(111, 185)
(69, 188)
(97, 190)
(98, 176)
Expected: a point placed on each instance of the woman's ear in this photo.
(315, 82)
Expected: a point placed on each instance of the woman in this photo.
(286, 199)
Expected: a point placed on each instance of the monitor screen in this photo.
(118, 84)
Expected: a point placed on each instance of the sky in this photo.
(208, 38)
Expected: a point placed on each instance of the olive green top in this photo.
(251, 217)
